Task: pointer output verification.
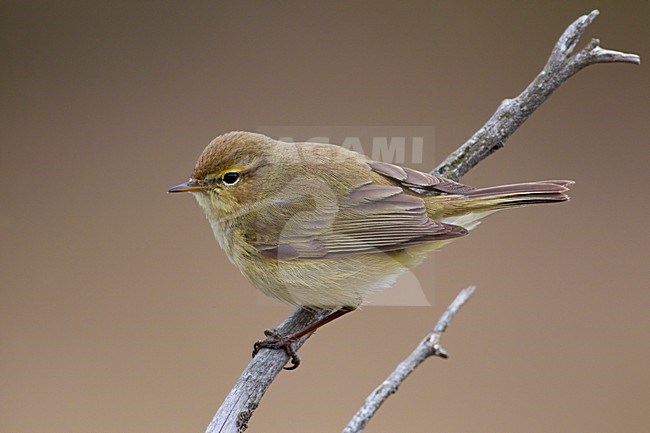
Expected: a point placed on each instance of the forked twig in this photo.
(429, 346)
(560, 66)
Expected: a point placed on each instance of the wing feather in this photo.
(419, 180)
(370, 219)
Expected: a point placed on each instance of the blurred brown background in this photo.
(120, 314)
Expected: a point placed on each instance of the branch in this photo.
(513, 112)
(238, 407)
(429, 346)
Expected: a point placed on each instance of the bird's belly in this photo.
(325, 283)
(330, 283)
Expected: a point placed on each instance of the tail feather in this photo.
(548, 187)
(481, 202)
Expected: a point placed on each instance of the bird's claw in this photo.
(274, 340)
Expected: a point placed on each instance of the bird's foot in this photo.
(274, 340)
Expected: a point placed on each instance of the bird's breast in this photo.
(224, 234)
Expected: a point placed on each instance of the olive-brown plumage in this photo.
(321, 226)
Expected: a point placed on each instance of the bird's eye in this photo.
(230, 178)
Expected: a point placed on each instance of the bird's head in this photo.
(229, 175)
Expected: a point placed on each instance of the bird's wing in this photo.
(312, 224)
(414, 179)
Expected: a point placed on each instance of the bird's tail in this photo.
(468, 208)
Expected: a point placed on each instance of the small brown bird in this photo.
(319, 226)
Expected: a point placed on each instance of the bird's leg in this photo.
(274, 340)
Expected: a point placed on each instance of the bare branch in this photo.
(512, 113)
(429, 346)
(236, 410)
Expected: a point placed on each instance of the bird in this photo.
(320, 226)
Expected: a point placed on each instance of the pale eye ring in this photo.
(231, 178)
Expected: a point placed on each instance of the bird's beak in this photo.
(189, 186)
